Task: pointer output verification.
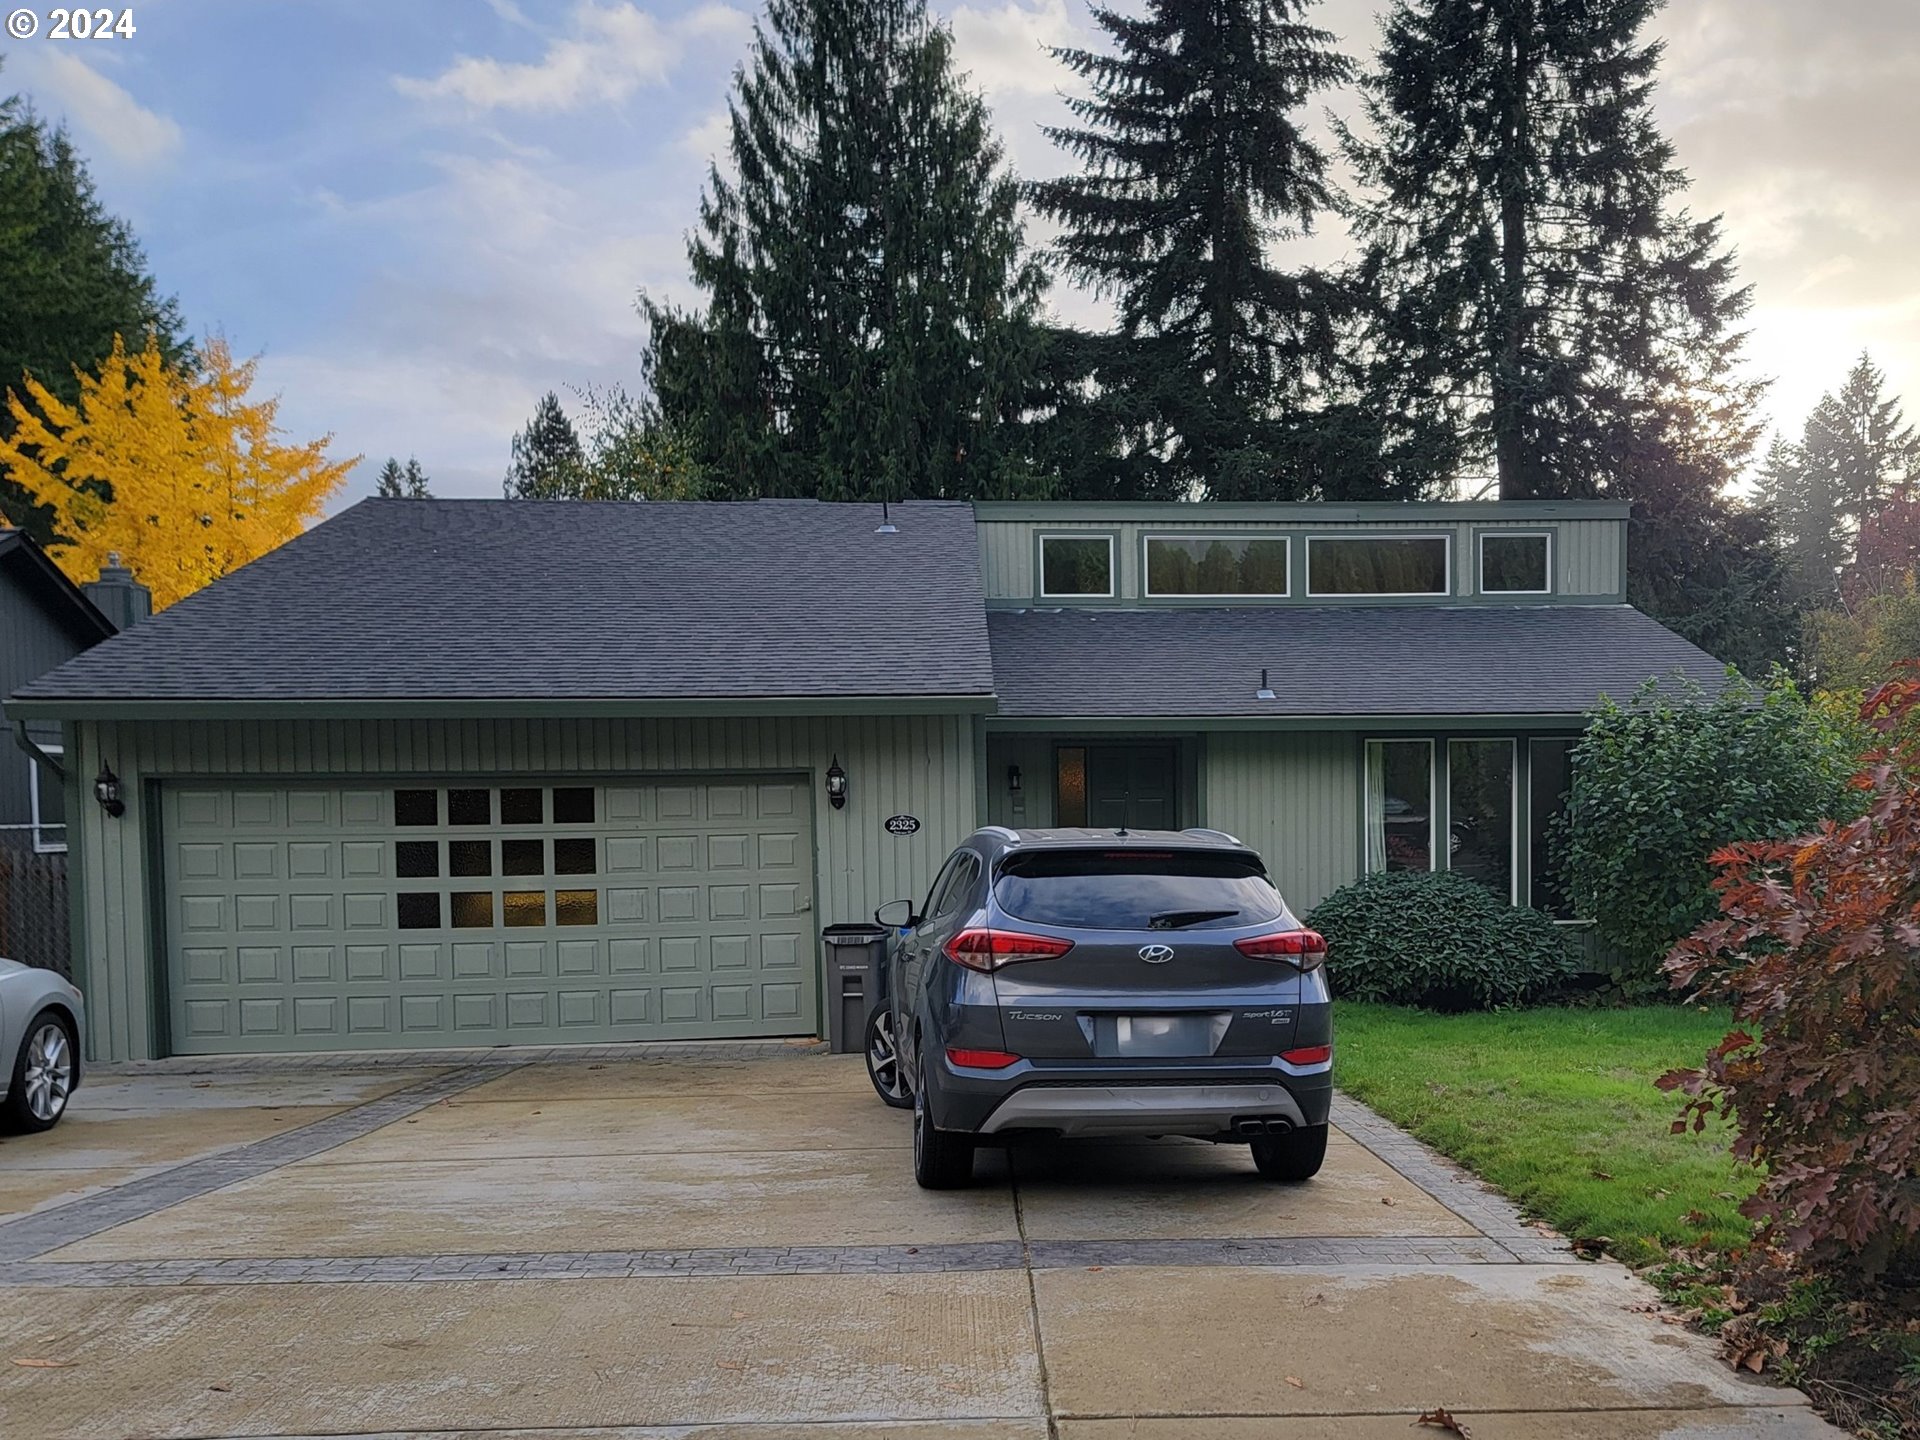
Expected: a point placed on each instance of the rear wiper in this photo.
(1175, 919)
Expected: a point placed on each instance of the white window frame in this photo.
(1040, 562)
(1146, 565)
(1512, 743)
(1433, 799)
(1445, 537)
(41, 844)
(1480, 559)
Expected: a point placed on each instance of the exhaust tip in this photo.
(1279, 1127)
(1249, 1127)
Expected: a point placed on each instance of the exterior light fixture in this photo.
(1013, 779)
(836, 785)
(106, 789)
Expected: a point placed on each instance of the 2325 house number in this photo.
(903, 824)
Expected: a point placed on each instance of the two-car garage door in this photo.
(486, 912)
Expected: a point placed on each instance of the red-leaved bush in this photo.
(1817, 948)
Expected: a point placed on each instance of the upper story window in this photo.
(1378, 565)
(1516, 564)
(1076, 566)
(1197, 565)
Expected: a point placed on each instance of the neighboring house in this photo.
(45, 620)
(484, 772)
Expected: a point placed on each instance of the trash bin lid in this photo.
(854, 934)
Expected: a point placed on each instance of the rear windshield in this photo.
(1137, 889)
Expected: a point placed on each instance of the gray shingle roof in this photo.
(1333, 661)
(572, 600)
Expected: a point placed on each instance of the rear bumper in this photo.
(1192, 1109)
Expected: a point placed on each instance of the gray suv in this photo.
(1106, 983)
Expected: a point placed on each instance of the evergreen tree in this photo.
(1541, 297)
(72, 278)
(397, 483)
(1809, 518)
(868, 326)
(547, 459)
(1195, 166)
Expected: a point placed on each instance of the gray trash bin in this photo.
(855, 955)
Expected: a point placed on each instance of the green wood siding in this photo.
(919, 765)
(1295, 798)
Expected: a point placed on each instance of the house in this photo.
(45, 620)
(485, 772)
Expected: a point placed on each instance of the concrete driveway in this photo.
(729, 1245)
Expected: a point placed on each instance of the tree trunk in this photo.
(1509, 399)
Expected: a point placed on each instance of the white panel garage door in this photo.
(420, 913)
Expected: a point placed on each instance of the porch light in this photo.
(1013, 779)
(106, 789)
(836, 785)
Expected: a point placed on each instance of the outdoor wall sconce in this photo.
(1013, 779)
(836, 785)
(106, 789)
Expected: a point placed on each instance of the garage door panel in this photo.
(421, 913)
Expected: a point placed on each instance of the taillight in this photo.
(990, 949)
(1304, 948)
(1308, 1055)
(981, 1059)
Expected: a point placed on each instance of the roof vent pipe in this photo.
(886, 525)
(118, 596)
(1265, 692)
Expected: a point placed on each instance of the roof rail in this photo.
(1202, 830)
(1011, 834)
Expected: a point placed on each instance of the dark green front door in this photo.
(1112, 787)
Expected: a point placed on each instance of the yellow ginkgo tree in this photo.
(175, 470)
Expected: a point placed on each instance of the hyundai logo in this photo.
(1156, 954)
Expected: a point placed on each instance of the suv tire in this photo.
(942, 1160)
(1295, 1156)
(884, 1067)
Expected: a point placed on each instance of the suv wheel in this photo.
(884, 1068)
(1297, 1155)
(942, 1160)
(42, 1074)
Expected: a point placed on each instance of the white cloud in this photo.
(710, 139)
(108, 115)
(608, 52)
(1007, 50)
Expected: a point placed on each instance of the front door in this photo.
(1113, 787)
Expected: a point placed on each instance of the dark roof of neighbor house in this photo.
(1354, 660)
(63, 602)
(572, 600)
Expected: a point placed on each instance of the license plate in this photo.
(1155, 1035)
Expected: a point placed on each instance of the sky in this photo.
(423, 214)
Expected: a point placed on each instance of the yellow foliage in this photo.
(175, 470)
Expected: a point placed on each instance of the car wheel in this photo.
(42, 1074)
(1296, 1155)
(942, 1160)
(883, 1060)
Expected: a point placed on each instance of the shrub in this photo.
(1818, 949)
(1439, 940)
(1661, 783)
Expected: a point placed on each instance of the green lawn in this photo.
(1558, 1109)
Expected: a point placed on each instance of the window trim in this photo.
(41, 844)
(1512, 743)
(1445, 537)
(1480, 560)
(1433, 799)
(1147, 537)
(1040, 539)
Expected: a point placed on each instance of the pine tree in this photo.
(1542, 298)
(1195, 167)
(1806, 507)
(868, 326)
(397, 483)
(72, 278)
(547, 459)
(1860, 446)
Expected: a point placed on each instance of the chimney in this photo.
(118, 596)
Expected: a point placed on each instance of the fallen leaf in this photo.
(1725, 1195)
(1600, 1174)
(730, 1364)
(1754, 1360)
(1441, 1420)
(1296, 1382)
(1697, 1217)
(32, 1364)
(1388, 1200)
(739, 1314)
(221, 1387)
(1094, 1269)
(1318, 1299)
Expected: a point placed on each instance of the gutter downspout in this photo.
(25, 742)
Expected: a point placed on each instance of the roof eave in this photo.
(526, 708)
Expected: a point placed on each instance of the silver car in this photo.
(41, 1018)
